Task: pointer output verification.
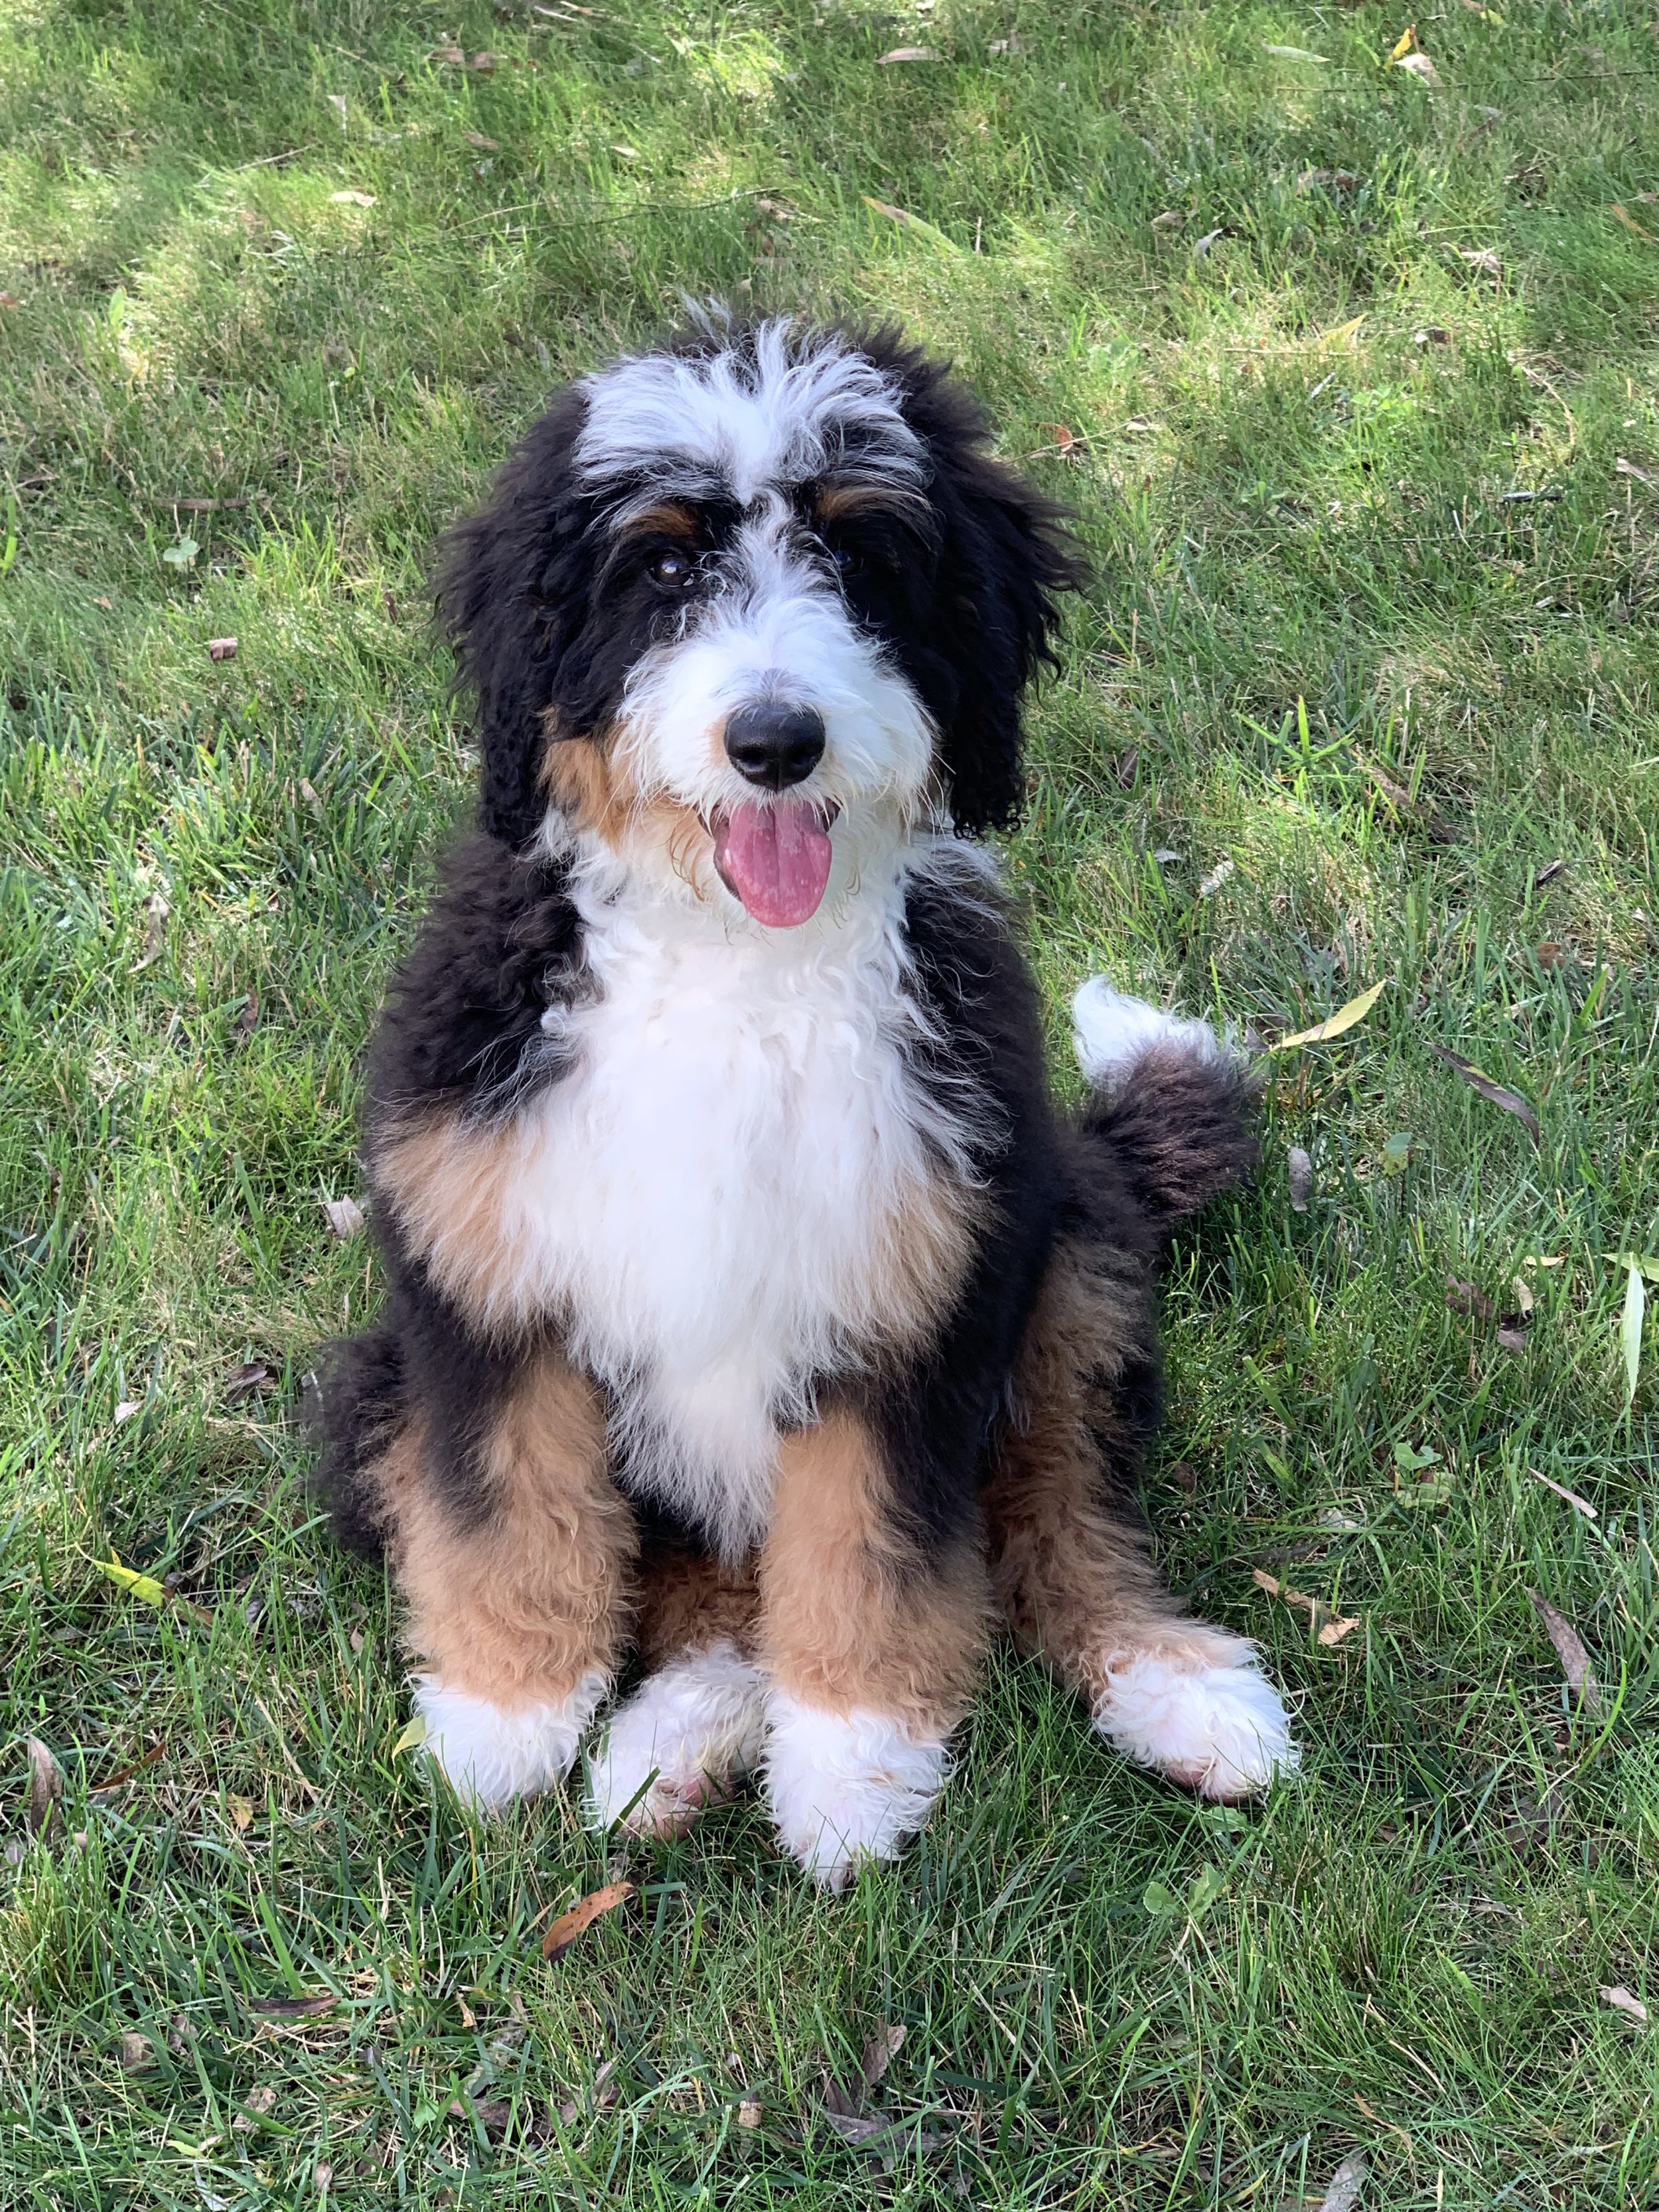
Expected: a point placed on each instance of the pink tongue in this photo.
(775, 859)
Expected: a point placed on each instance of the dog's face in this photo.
(747, 610)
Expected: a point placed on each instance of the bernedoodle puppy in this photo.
(752, 1307)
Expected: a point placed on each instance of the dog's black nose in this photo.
(775, 745)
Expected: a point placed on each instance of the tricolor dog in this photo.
(753, 1312)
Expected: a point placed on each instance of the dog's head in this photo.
(753, 605)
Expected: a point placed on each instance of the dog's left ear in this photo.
(512, 586)
(1006, 556)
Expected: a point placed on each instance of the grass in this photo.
(1376, 533)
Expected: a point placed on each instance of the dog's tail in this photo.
(1174, 1104)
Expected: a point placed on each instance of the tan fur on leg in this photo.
(1074, 1576)
(690, 1599)
(521, 1621)
(850, 1612)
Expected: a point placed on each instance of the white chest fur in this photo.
(737, 1186)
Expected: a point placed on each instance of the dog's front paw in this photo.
(1211, 1721)
(846, 1786)
(685, 1739)
(493, 1753)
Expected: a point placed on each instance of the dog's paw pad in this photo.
(846, 1787)
(685, 1739)
(1219, 1729)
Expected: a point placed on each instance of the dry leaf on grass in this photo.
(906, 54)
(155, 927)
(1296, 54)
(1621, 1999)
(293, 2007)
(1496, 1094)
(1463, 1298)
(1630, 222)
(340, 199)
(879, 2053)
(1201, 246)
(1335, 1024)
(1483, 261)
(1580, 1504)
(345, 1218)
(248, 1380)
(44, 1812)
(124, 1774)
(1570, 1650)
(1621, 467)
(1342, 2191)
(126, 1410)
(580, 1917)
(1299, 1174)
(1420, 67)
(1128, 766)
(138, 2053)
(486, 64)
(248, 1020)
(221, 649)
(749, 2113)
(1171, 219)
(451, 57)
(1065, 441)
(484, 145)
(1329, 1627)
(1211, 884)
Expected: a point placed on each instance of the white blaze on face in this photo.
(770, 625)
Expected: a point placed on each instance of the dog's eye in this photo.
(674, 571)
(844, 558)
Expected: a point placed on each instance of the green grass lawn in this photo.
(1351, 379)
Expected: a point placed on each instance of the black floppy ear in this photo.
(1007, 557)
(511, 589)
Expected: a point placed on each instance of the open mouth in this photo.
(776, 860)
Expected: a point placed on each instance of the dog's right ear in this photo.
(512, 586)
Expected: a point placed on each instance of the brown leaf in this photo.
(1299, 1173)
(1630, 223)
(1171, 219)
(906, 54)
(293, 2007)
(1548, 954)
(580, 1917)
(1570, 1650)
(1343, 2190)
(345, 1218)
(1330, 1627)
(248, 1020)
(138, 2053)
(221, 649)
(1065, 441)
(857, 2127)
(1431, 334)
(1622, 2001)
(484, 145)
(124, 1774)
(1182, 1476)
(451, 56)
(749, 2113)
(493, 2114)
(44, 1812)
(1128, 766)
(1496, 1094)
(248, 1380)
(10, 300)
(258, 2102)
(1463, 1298)
(1579, 1504)
(1548, 873)
(880, 2052)
(1484, 262)
(486, 64)
(242, 1814)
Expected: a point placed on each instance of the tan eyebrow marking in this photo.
(667, 518)
(832, 500)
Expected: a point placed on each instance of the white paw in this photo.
(1222, 1730)
(493, 1753)
(698, 1723)
(846, 1787)
(1111, 1031)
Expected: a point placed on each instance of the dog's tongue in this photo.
(775, 859)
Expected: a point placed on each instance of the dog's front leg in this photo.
(520, 1607)
(871, 1634)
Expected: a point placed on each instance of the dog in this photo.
(751, 1308)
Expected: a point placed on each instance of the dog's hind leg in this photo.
(1069, 1562)
(521, 1606)
(696, 1726)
